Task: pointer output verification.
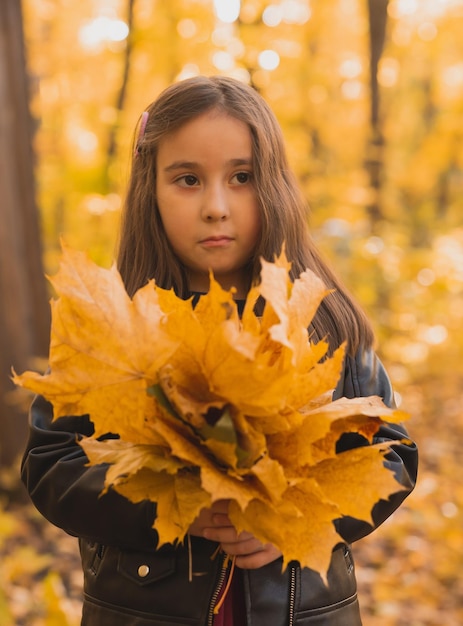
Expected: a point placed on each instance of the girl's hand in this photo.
(214, 524)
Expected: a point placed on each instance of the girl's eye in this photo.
(189, 180)
(242, 177)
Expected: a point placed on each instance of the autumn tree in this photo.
(23, 302)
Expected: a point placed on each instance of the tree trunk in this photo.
(24, 311)
(121, 98)
(377, 18)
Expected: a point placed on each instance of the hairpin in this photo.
(141, 131)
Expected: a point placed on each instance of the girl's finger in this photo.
(221, 519)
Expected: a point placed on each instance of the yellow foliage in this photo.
(208, 406)
(55, 603)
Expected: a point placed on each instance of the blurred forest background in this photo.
(370, 97)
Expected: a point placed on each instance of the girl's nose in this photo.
(215, 204)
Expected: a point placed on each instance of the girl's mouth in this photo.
(216, 242)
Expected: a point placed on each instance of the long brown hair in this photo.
(144, 250)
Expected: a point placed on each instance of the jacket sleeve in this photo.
(365, 376)
(67, 491)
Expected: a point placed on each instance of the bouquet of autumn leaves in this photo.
(208, 405)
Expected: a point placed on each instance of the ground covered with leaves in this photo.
(40, 575)
(409, 570)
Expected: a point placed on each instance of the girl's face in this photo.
(207, 200)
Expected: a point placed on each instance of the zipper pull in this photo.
(226, 563)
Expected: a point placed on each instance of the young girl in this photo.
(210, 189)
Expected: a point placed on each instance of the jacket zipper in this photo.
(292, 594)
(222, 576)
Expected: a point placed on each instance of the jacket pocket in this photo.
(345, 613)
(146, 568)
(92, 555)
(152, 587)
(314, 594)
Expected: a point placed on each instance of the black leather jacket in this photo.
(129, 583)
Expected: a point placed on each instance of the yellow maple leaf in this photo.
(179, 499)
(342, 479)
(126, 459)
(300, 525)
(105, 348)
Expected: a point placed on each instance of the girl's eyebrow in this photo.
(180, 165)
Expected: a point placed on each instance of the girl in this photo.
(210, 189)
